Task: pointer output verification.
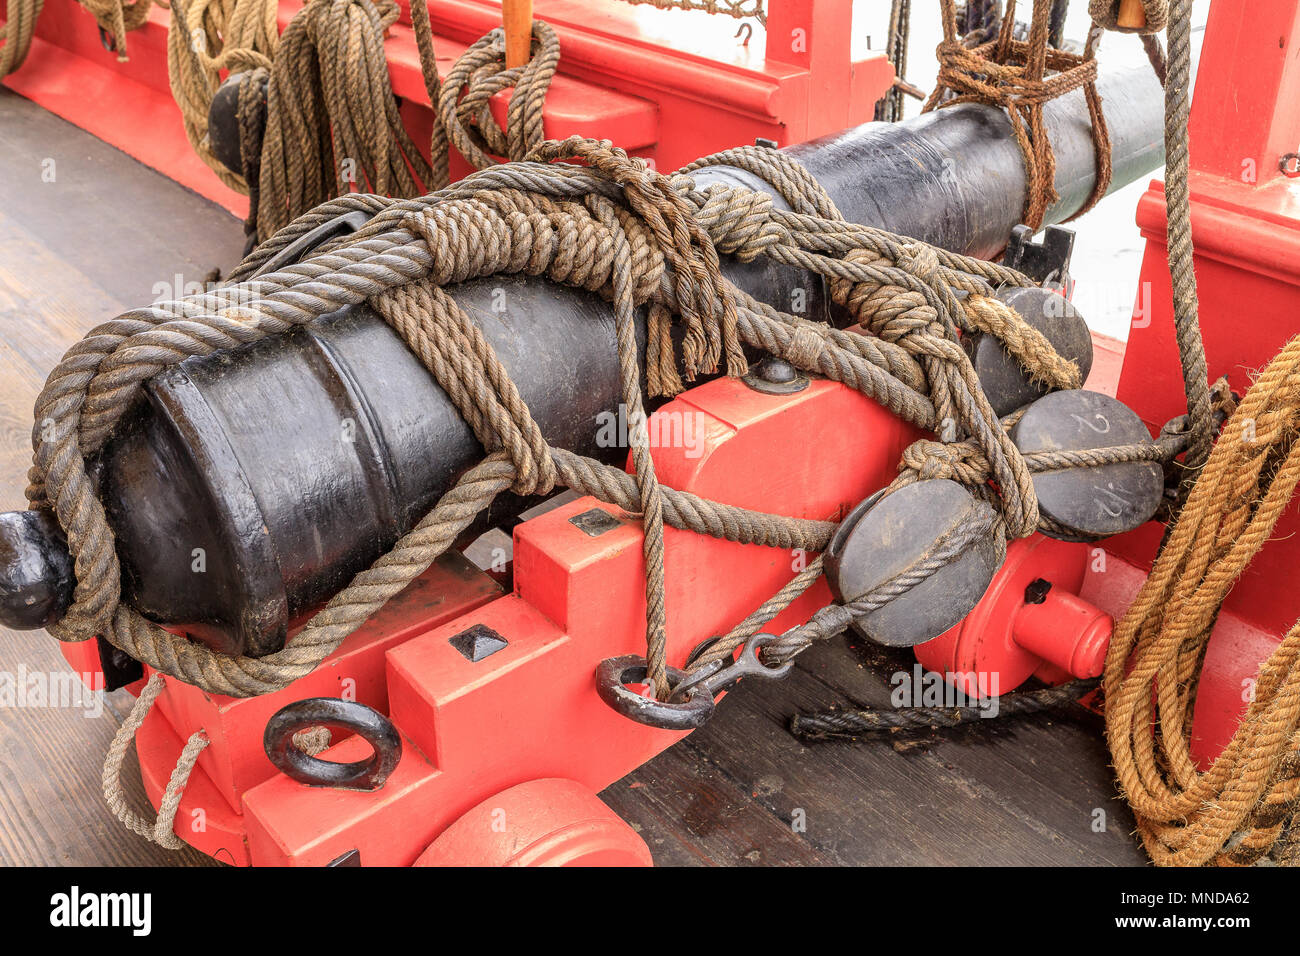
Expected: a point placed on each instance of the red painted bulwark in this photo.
(667, 85)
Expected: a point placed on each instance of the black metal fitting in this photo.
(368, 723)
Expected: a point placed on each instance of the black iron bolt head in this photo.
(776, 376)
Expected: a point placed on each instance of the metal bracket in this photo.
(1047, 261)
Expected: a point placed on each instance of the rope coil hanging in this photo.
(1234, 811)
(317, 114)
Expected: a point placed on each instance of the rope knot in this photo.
(958, 461)
(920, 260)
(740, 222)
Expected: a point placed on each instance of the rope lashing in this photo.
(1022, 77)
(1234, 811)
(613, 227)
(328, 121)
(20, 24)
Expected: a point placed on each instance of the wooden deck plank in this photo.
(950, 800)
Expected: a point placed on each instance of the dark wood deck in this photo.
(99, 239)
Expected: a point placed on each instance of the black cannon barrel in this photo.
(249, 486)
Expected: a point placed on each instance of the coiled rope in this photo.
(1242, 808)
(205, 39)
(1234, 811)
(317, 113)
(20, 24)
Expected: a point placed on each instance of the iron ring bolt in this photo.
(615, 673)
(692, 702)
(1289, 164)
(368, 723)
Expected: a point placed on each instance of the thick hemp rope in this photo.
(160, 830)
(1187, 324)
(1242, 809)
(614, 227)
(116, 17)
(1021, 77)
(20, 23)
(205, 39)
(1234, 811)
(317, 114)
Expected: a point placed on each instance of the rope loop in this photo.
(1238, 809)
(161, 830)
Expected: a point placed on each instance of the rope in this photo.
(161, 829)
(827, 725)
(612, 226)
(332, 118)
(328, 122)
(206, 39)
(979, 21)
(1242, 809)
(890, 108)
(740, 9)
(20, 23)
(1106, 13)
(1021, 77)
(1187, 326)
(116, 17)
(1233, 812)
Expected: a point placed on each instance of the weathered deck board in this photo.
(106, 233)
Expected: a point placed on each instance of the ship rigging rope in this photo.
(614, 227)
(20, 23)
(329, 119)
